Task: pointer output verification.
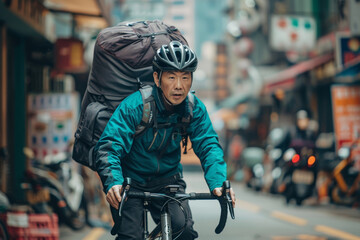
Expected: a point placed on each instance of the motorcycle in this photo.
(54, 186)
(301, 171)
(345, 189)
(327, 160)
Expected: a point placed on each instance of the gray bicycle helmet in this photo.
(175, 57)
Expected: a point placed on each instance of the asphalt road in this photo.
(259, 216)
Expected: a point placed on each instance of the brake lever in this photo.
(126, 189)
(226, 191)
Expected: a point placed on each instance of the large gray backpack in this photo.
(122, 64)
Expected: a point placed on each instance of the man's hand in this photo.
(113, 196)
(218, 192)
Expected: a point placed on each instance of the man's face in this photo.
(303, 123)
(175, 85)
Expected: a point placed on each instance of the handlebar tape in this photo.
(223, 217)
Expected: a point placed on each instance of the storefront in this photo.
(31, 77)
(296, 88)
(22, 37)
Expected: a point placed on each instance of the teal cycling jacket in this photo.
(119, 154)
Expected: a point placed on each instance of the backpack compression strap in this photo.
(182, 125)
(185, 121)
(148, 117)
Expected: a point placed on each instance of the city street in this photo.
(258, 216)
(91, 90)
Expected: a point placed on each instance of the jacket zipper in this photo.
(153, 141)
(162, 141)
(158, 161)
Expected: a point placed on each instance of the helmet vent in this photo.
(175, 57)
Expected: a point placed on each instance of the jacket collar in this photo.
(182, 109)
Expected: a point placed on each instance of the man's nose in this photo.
(178, 83)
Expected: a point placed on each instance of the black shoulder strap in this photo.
(191, 99)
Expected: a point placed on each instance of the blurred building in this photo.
(304, 54)
(42, 46)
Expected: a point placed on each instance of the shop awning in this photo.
(86, 12)
(286, 79)
(350, 72)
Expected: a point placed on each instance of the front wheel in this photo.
(77, 220)
(3, 232)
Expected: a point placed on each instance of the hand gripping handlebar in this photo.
(224, 200)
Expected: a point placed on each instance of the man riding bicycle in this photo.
(152, 159)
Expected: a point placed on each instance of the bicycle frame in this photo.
(164, 229)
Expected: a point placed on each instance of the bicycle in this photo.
(163, 229)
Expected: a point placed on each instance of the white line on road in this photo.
(289, 218)
(335, 232)
(247, 206)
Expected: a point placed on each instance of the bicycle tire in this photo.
(4, 235)
(156, 233)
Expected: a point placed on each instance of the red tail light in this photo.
(311, 160)
(295, 158)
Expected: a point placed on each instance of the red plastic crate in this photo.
(21, 226)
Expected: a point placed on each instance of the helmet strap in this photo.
(167, 102)
(160, 75)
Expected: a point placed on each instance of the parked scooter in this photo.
(300, 176)
(277, 142)
(54, 186)
(253, 158)
(345, 188)
(327, 160)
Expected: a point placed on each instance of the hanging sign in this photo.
(347, 48)
(295, 33)
(69, 54)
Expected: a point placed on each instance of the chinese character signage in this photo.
(346, 112)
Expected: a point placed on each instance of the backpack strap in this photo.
(148, 113)
(185, 122)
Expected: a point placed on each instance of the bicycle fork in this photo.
(163, 229)
(145, 220)
(166, 224)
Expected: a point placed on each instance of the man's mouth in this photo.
(177, 95)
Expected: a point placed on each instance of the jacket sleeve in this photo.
(207, 147)
(116, 140)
